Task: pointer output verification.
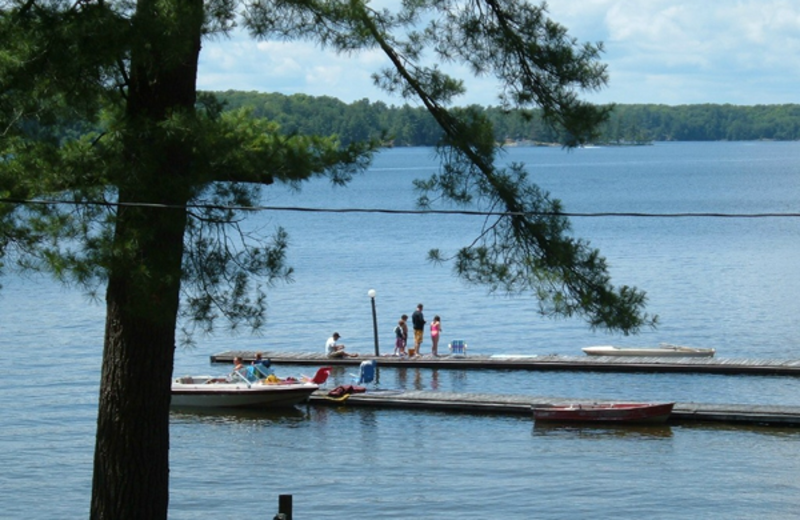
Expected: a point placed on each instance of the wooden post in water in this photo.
(284, 508)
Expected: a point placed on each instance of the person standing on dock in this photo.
(404, 326)
(436, 329)
(399, 339)
(336, 350)
(418, 322)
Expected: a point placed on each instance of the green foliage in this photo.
(415, 126)
(68, 137)
(702, 123)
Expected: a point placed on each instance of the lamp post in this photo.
(371, 293)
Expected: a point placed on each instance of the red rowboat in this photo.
(604, 412)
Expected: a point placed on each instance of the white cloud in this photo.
(287, 67)
(657, 51)
(743, 52)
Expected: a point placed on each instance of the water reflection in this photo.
(616, 431)
(422, 378)
(776, 431)
(280, 416)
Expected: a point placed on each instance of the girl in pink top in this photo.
(436, 328)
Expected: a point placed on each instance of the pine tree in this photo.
(99, 110)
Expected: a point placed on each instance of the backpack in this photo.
(398, 331)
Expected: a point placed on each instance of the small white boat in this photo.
(238, 392)
(663, 350)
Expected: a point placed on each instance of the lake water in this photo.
(727, 283)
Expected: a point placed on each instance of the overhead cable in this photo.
(464, 212)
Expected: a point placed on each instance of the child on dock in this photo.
(400, 332)
(436, 329)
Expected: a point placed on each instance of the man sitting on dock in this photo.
(336, 350)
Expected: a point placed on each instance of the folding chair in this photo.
(458, 348)
(320, 377)
(366, 372)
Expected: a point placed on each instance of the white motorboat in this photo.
(236, 391)
(662, 350)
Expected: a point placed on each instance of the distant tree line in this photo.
(704, 123)
(413, 126)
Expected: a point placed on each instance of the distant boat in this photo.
(605, 412)
(663, 350)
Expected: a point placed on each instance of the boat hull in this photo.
(239, 395)
(662, 351)
(606, 413)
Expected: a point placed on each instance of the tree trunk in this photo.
(131, 461)
(131, 466)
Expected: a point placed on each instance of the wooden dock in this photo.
(522, 405)
(541, 362)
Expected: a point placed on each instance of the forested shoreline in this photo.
(413, 126)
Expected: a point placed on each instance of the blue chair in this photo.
(458, 348)
(366, 372)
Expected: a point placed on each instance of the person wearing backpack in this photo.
(401, 336)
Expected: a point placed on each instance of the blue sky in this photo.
(742, 52)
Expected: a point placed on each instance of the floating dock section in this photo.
(541, 362)
(522, 405)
